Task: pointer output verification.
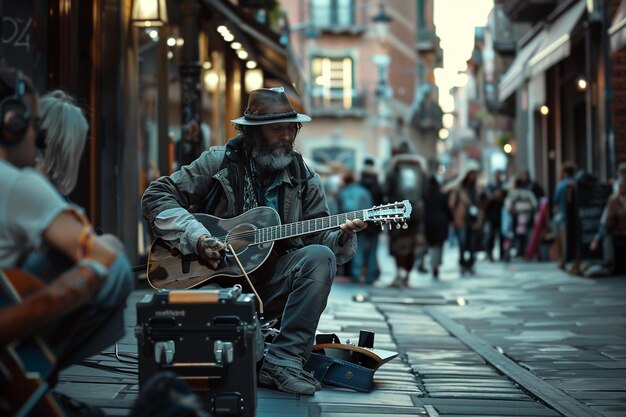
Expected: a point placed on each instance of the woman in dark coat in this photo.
(437, 215)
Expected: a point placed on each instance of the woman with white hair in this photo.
(65, 129)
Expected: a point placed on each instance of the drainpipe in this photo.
(588, 98)
(609, 132)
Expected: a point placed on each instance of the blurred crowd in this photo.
(503, 216)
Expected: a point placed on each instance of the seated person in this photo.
(258, 163)
(86, 280)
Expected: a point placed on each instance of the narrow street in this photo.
(518, 339)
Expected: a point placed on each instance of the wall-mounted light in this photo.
(253, 79)
(581, 84)
(544, 110)
(147, 13)
(507, 148)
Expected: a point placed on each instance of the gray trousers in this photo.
(298, 289)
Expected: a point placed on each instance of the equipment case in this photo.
(207, 337)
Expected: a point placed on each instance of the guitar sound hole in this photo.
(240, 237)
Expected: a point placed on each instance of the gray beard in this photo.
(271, 162)
(266, 159)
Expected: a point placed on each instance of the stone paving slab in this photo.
(488, 407)
(567, 330)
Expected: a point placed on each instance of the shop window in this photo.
(333, 83)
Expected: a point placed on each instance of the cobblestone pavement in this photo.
(518, 339)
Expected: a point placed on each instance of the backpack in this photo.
(408, 183)
(521, 204)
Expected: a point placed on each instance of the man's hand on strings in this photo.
(349, 228)
(210, 250)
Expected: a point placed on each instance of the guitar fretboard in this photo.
(283, 231)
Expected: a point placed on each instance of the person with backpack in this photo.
(522, 205)
(259, 167)
(405, 180)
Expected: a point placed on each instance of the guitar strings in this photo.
(253, 233)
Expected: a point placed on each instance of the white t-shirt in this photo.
(28, 204)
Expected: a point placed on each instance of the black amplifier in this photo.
(206, 337)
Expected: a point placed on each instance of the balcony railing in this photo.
(336, 105)
(528, 10)
(506, 33)
(348, 19)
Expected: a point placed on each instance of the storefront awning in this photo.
(617, 31)
(518, 70)
(274, 58)
(556, 45)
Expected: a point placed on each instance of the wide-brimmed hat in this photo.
(267, 106)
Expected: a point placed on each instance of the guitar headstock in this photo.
(398, 213)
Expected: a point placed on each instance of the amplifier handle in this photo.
(209, 370)
(193, 297)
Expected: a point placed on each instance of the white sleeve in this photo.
(33, 204)
(178, 226)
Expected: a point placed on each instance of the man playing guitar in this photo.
(256, 169)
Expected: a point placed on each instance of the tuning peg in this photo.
(405, 226)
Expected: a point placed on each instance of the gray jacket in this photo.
(189, 187)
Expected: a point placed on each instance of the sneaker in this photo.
(284, 378)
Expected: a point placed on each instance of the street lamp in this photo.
(381, 23)
(149, 13)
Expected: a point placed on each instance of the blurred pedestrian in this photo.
(616, 225)
(405, 180)
(494, 195)
(332, 186)
(463, 200)
(528, 183)
(437, 216)
(563, 198)
(603, 239)
(369, 180)
(521, 203)
(352, 197)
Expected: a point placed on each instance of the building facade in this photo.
(369, 84)
(564, 89)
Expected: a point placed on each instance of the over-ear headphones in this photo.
(15, 114)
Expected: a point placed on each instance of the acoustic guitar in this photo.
(24, 364)
(252, 236)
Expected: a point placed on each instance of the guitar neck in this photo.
(305, 227)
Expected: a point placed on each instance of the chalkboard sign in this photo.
(591, 198)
